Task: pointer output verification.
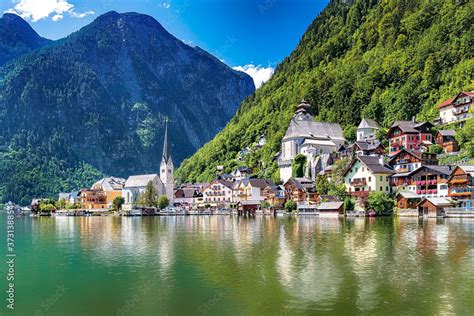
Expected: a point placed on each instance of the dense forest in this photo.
(380, 59)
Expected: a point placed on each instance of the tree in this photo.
(350, 133)
(265, 205)
(322, 184)
(61, 204)
(163, 202)
(47, 208)
(338, 169)
(380, 202)
(290, 206)
(435, 149)
(338, 190)
(299, 165)
(348, 204)
(117, 203)
(148, 198)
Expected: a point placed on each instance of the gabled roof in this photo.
(301, 183)
(467, 169)
(410, 152)
(368, 123)
(367, 146)
(140, 180)
(408, 126)
(110, 183)
(312, 129)
(445, 103)
(469, 93)
(447, 132)
(260, 183)
(325, 206)
(374, 165)
(437, 201)
(409, 195)
(225, 183)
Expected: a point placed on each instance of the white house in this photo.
(219, 193)
(310, 138)
(366, 131)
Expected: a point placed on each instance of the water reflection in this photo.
(266, 265)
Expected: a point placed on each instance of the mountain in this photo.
(381, 59)
(17, 38)
(96, 103)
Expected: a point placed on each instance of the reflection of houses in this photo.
(218, 193)
(367, 174)
(433, 207)
(461, 185)
(310, 138)
(135, 186)
(447, 140)
(300, 190)
(367, 130)
(409, 135)
(456, 109)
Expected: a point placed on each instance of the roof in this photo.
(408, 126)
(467, 169)
(373, 163)
(226, 183)
(329, 198)
(249, 202)
(368, 123)
(301, 183)
(110, 183)
(312, 129)
(321, 142)
(64, 196)
(261, 183)
(367, 146)
(140, 180)
(446, 170)
(330, 205)
(445, 103)
(409, 195)
(166, 147)
(437, 201)
(447, 132)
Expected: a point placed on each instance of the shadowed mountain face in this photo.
(17, 38)
(99, 98)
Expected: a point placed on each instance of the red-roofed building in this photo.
(456, 109)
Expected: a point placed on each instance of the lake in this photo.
(223, 265)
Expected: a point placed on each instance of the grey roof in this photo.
(438, 201)
(110, 183)
(140, 180)
(312, 129)
(468, 169)
(447, 132)
(368, 123)
(367, 146)
(373, 163)
(447, 170)
(261, 183)
(330, 205)
(409, 126)
(409, 195)
(166, 147)
(64, 196)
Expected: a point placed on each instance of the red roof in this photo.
(445, 103)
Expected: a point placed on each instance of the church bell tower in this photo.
(166, 167)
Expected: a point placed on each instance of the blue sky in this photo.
(239, 32)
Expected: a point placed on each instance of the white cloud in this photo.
(259, 74)
(166, 5)
(36, 10)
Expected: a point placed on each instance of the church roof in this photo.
(368, 123)
(140, 180)
(312, 129)
(110, 183)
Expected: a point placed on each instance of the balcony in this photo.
(460, 111)
(460, 194)
(358, 182)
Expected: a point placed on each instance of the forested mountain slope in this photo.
(386, 59)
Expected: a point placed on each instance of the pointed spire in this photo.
(166, 147)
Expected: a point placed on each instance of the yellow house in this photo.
(102, 193)
(367, 174)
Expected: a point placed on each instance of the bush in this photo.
(290, 206)
(348, 204)
(117, 203)
(435, 149)
(163, 202)
(381, 202)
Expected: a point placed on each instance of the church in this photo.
(315, 140)
(162, 182)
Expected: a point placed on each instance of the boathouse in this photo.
(433, 207)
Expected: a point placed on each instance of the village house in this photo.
(367, 174)
(252, 189)
(300, 190)
(185, 196)
(135, 186)
(219, 193)
(241, 173)
(431, 181)
(274, 195)
(311, 139)
(461, 186)
(409, 135)
(433, 206)
(366, 148)
(447, 140)
(407, 200)
(367, 131)
(456, 109)
(331, 209)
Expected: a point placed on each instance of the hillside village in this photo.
(321, 173)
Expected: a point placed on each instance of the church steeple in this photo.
(166, 147)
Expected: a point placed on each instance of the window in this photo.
(370, 179)
(381, 189)
(381, 178)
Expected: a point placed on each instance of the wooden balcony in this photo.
(359, 182)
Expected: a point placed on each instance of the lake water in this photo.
(219, 265)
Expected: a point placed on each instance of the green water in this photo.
(227, 265)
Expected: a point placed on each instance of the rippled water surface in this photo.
(200, 265)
